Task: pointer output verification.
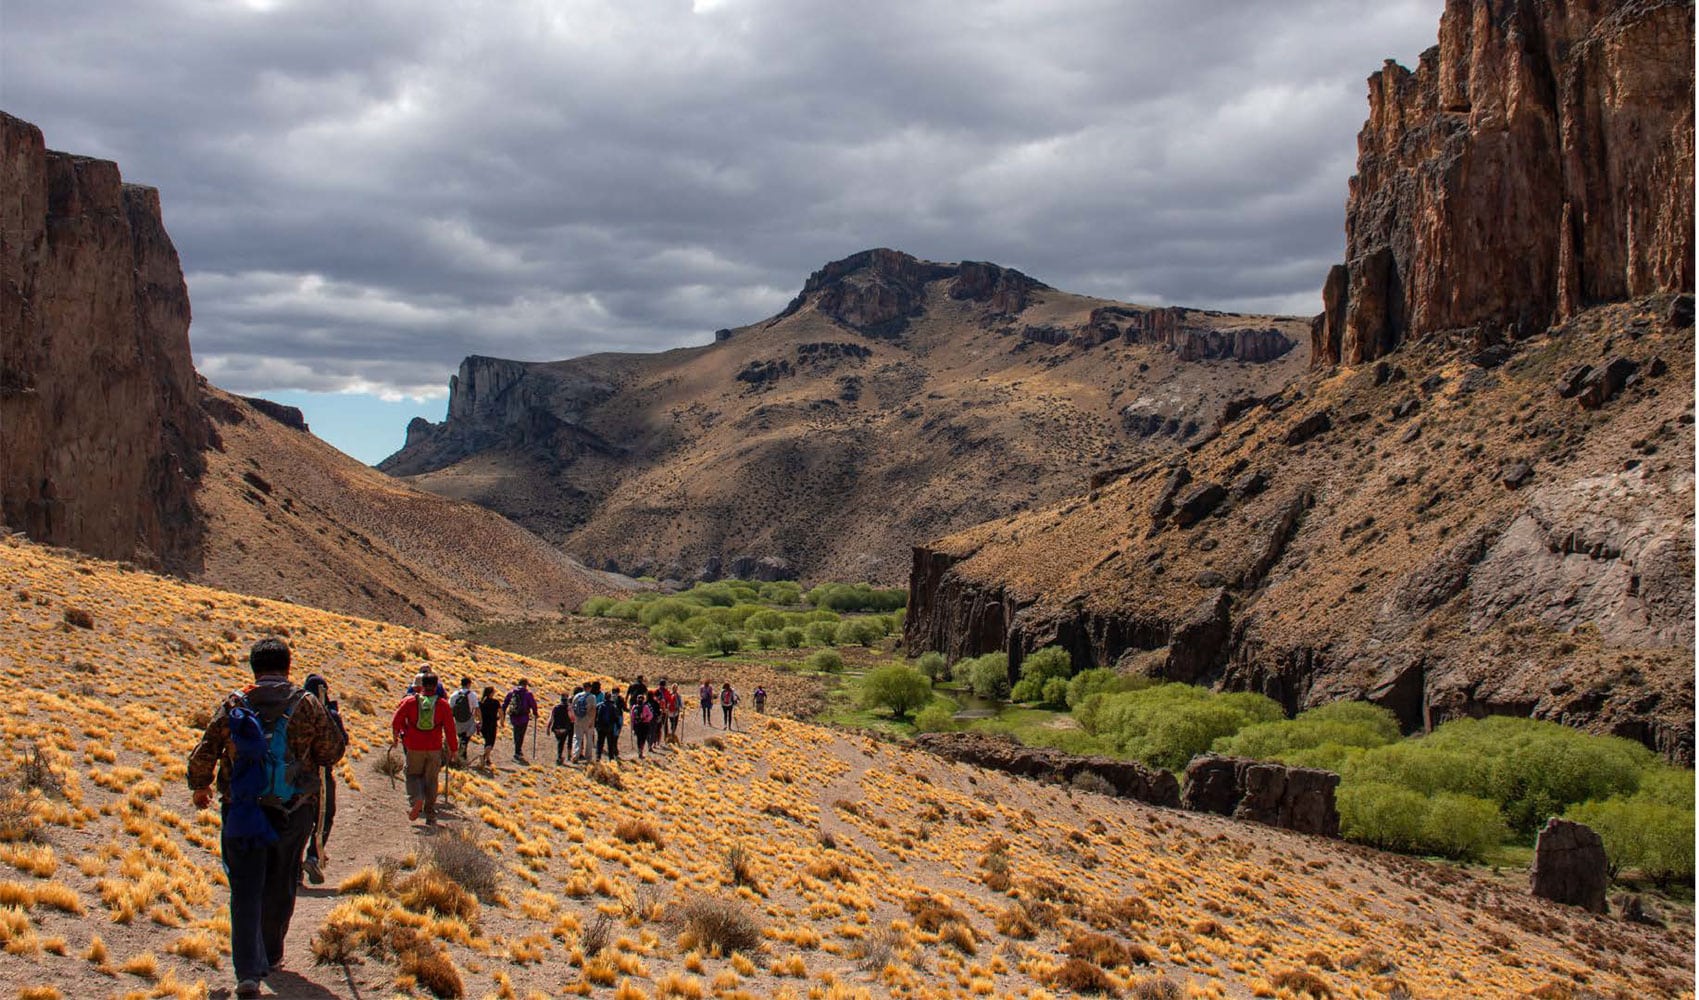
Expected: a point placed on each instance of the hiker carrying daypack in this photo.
(585, 707)
(464, 704)
(263, 749)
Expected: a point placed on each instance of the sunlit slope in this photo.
(869, 870)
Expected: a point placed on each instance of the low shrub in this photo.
(465, 861)
(1169, 724)
(1642, 833)
(716, 924)
(826, 661)
(900, 688)
(932, 665)
(937, 717)
(1037, 670)
(987, 676)
(793, 637)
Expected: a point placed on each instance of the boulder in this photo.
(1570, 866)
(1601, 385)
(1292, 798)
(1316, 423)
(1199, 504)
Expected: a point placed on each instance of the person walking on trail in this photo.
(489, 720)
(705, 694)
(761, 699)
(520, 706)
(584, 706)
(263, 749)
(642, 721)
(424, 727)
(560, 723)
(670, 706)
(325, 816)
(609, 716)
(635, 690)
(728, 701)
(464, 704)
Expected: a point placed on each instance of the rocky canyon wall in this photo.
(100, 427)
(1539, 158)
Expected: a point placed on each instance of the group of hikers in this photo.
(269, 750)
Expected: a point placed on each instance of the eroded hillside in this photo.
(1451, 532)
(867, 870)
(894, 399)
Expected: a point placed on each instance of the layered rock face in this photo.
(1539, 158)
(1292, 798)
(101, 432)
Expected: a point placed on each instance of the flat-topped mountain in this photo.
(893, 399)
(111, 444)
(1498, 516)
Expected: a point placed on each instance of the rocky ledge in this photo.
(1129, 779)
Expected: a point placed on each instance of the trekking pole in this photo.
(534, 735)
(447, 774)
(318, 825)
(388, 764)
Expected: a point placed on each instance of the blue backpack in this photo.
(262, 775)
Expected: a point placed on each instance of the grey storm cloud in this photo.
(364, 193)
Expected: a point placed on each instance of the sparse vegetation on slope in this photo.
(865, 869)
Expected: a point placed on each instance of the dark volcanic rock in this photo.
(1601, 385)
(288, 416)
(1164, 504)
(1570, 866)
(101, 426)
(1130, 779)
(1005, 289)
(1516, 475)
(1319, 422)
(1198, 504)
(1512, 147)
(1292, 798)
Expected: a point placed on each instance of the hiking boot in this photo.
(315, 874)
(431, 819)
(417, 807)
(248, 988)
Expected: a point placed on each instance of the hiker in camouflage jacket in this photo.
(263, 876)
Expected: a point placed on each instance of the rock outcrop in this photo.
(1292, 798)
(101, 431)
(1538, 159)
(1570, 866)
(1129, 779)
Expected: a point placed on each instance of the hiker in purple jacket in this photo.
(521, 708)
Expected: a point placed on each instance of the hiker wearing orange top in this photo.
(424, 726)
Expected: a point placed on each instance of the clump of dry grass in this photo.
(716, 924)
(465, 861)
(369, 925)
(832, 869)
(1014, 922)
(1080, 976)
(607, 774)
(740, 870)
(638, 831)
(1157, 988)
(431, 890)
(1105, 950)
(594, 939)
(1302, 981)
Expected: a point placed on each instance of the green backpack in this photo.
(427, 713)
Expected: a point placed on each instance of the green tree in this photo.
(793, 636)
(932, 665)
(987, 676)
(900, 688)
(1042, 666)
(826, 661)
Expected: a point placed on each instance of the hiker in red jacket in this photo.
(424, 725)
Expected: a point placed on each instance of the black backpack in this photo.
(462, 704)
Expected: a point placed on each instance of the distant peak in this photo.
(876, 292)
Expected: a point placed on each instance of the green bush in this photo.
(1342, 724)
(653, 613)
(710, 639)
(1055, 692)
(856, 597)
(897, 687)
(1533, 769)
(793, 637)
(932, 665)
(1640, 832)
(1461, 826)
(596, 607)
(765, 619)
(822, 633)
(624, 610)
(987, 676)
(937, 717)
(670, 633)
(856, 632)
(826, 661)
(1382, 815)
(768, 639)
(1169, 724)
(781, 592)
(1101, 680)
(1049, 663)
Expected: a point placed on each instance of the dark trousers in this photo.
(314, 843)
(561, 736)
(519, 727)
(726, 710)
(708, 713)
(262, 892)
(607, 743)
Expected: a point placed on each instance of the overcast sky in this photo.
(363, 193)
